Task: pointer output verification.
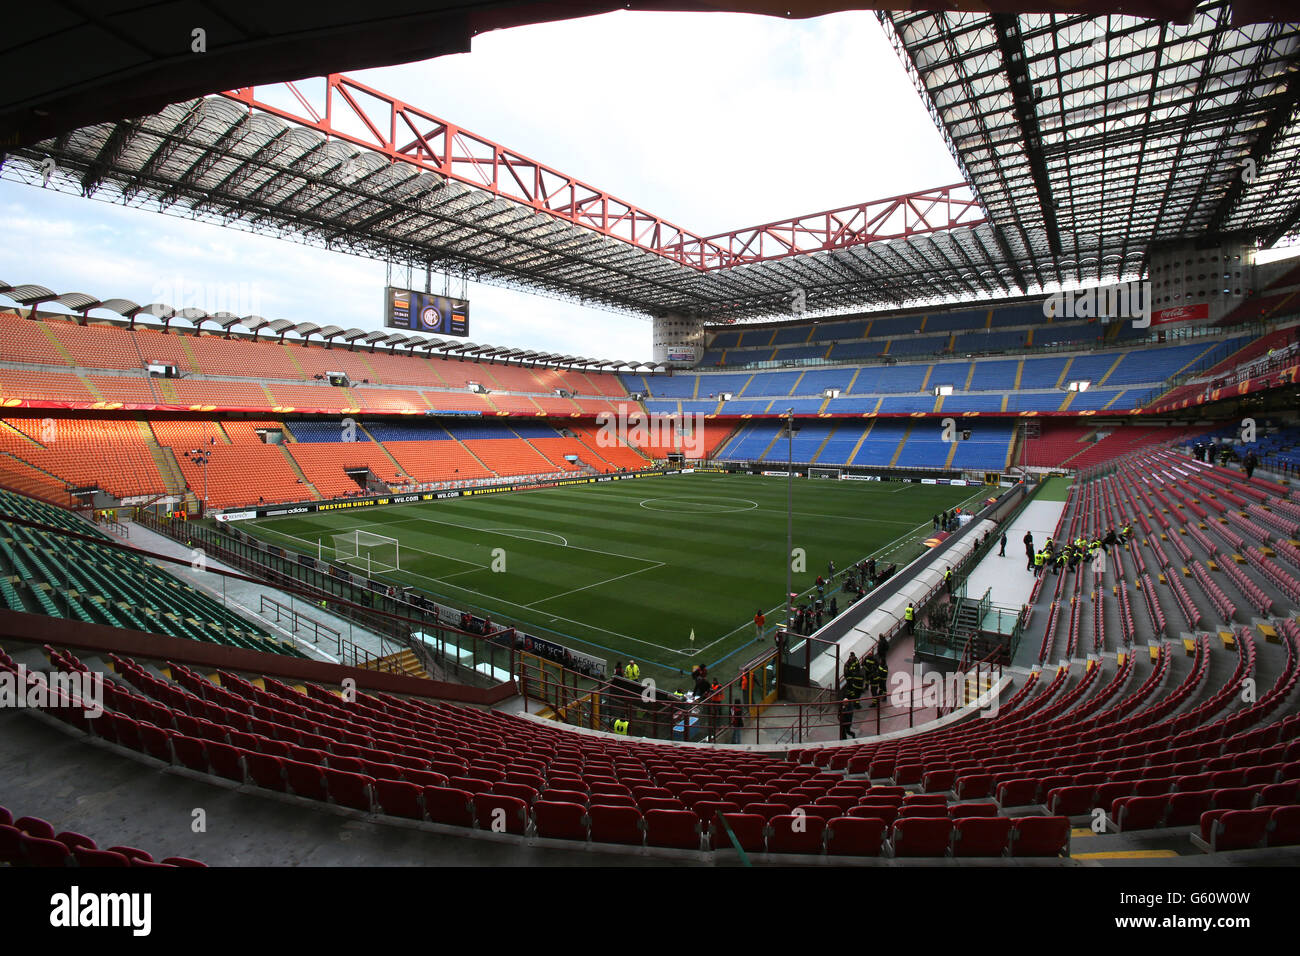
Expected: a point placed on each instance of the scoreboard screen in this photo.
(425, 313)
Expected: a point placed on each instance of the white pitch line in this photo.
(473, 566)
(556, 617)
(595, 585)
(574, 547)
(881, 552)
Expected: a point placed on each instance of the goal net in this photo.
(367, 551)
(825, 472)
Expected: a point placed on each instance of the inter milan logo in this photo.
(429, 318)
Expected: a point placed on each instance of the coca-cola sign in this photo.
(1181, 313)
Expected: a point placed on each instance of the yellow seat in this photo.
(1228, 639)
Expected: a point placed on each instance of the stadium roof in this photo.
(1086, 140)
(1091, 139)
(71, 65)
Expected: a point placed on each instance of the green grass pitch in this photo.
(630, 568)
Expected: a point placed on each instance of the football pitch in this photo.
(631, 568)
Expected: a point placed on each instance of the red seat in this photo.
(190, 752)
(37, 851)
(72, 840)
(489, 772)
(691, 797)
(421, 778)
(565, 796)
(305, 779)
(560, 821)
(1018, 793)
(470, 784)
(1185, 809)
(749, 829)
(1071, 801)
(765, 810)
(961, 810)
(265, 771)
(86, 857)
(1108, 793)
(1140, 813)
(795, 833)
(882, 811)
(348, 764)
(923, 810)
(1284, 826)
(974, 785)
(981, 836)
(673, 828)
(10, 844)
(500, 813)
(156, 741)
(398, 798)
(820, 810)
(924, 800)
(660, 803)
(1040, 836)
(940, 780)
(449, 805)
(921, 836)
(35, 826)
(1240, 829)
(226, 761)
(641, 793)
(616, 824)
(855, 836)
(843, 802)
(350, 789)
(1236, 798)
(534, 780)
(132, 853)
(520, 791)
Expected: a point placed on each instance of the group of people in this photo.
(947, 521)
(872, 671)
(629, 671)
(1225, 454)
(1068, 555)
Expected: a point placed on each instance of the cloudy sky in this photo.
(712, 121)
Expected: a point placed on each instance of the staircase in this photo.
(403, 662)
(469, 451)
(380, 445)
(164, 459)
(297, 470)
(965, 621)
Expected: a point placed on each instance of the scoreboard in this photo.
(426, 313)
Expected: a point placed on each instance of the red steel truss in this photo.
(372, 120)
(932, 210)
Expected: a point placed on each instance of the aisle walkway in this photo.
(1007, 576)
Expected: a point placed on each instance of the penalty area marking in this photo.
(524, 532)
(698, 505)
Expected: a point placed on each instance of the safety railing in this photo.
(298, 622)
(398, 624)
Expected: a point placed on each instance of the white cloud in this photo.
(713, 121)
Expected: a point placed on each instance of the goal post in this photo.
(833, 473)
(365, 549)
